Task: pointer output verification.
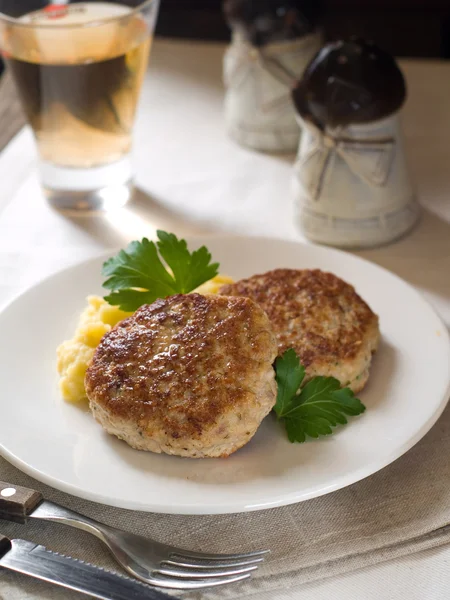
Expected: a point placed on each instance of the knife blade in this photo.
(32, 559)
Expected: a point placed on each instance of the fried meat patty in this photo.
(189, 375)
(332, 330)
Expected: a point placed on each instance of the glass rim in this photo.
(93, 23)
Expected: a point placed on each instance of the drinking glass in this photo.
(79, 67)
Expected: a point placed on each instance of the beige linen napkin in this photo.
(400, 510)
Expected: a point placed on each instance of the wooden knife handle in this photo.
(5, 545)
(16, 502)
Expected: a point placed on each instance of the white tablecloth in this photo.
(191, 177)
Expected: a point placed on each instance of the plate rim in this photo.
(237, 506)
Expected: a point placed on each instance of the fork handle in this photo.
(50, 511)
(17, 503)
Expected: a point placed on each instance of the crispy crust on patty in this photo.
(189, 375)
(333, 331)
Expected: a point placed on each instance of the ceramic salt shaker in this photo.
(272, 43)
(353, 188)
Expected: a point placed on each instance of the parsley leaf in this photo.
(289, 376)
(138, 276)
(316, 408)
(189, 270)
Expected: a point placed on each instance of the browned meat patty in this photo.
(330, 327)
(189, 375)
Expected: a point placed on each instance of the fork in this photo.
(154, 563)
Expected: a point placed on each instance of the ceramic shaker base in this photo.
(350, 233)
(266, 141)
(259, 112)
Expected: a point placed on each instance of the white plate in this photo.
(61, 445)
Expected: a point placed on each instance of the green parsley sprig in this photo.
(139, 275)
(314, 409)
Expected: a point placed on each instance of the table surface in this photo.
(191, 177)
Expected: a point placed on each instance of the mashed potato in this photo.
(74, 355)
(213, 285)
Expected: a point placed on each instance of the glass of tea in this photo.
(79, 67)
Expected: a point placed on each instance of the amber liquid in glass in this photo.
(79, 87)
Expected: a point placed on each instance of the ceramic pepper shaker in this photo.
(353, 186)
(272, 42)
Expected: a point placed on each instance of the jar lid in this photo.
(264, 22)
(349, 83)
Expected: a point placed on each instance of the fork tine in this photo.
(194, 584)
(182, 553)
(207, 564)
(203, 573)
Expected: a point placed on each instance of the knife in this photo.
(35, 560)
